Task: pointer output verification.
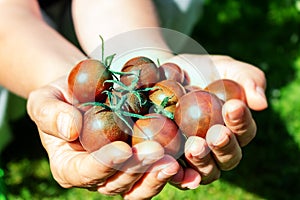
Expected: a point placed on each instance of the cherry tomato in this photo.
(160, 129)
(190, 88)
(167, 89)
(227, 89)
(197, 111)
(136, 102)
(86, 81)
(100, 127)
(143, 67)
(171, 71)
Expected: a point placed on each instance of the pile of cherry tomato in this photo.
(145, 101)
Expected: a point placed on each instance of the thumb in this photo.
(250, 77)
(52, 115)
(255, 94)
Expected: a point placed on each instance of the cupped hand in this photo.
(222, 147)
(116, 168)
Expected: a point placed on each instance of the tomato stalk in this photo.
(115, 105)
(160, 109)
(132, 87)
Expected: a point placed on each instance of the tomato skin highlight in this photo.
(197, 111)
(86, 81)
(227, 89)
(160, 129)
(100, 127)
(149, 73)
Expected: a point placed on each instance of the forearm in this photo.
(112, 18)
(32, 54)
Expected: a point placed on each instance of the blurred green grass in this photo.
(264, 33)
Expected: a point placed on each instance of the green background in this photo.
(262, 32)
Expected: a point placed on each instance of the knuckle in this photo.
(208, 170)
(247, 135)
(211, 177)
(231, 162)
(110, 189)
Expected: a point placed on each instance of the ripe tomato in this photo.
(171, 71)
(167, 88)
(86, 81)
(197, 111)
(227, 89)
(100, 127)
(136, 102)
(160, 129)
(190, 88)
(143, 67)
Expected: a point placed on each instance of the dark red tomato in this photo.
(167, 88)
(227, 89)
(190, 88)
(86, 81)
(100, 127)
(197, 111)
(160, 129)
(171, 71)
(135, 102)
(149, 73)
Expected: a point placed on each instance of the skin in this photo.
(222, 147)
(58, 123)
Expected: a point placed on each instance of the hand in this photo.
(116, 168)
(222, 147)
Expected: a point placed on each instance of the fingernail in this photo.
(149, 161)
(167, 171)
(63, 125)
(219, 140)
(235, 113)
(222, 140)
(124, 156)
(163, 175)
(261, 92)
(190, 186)
(196, 146)
(202, 152)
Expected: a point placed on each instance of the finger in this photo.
(250, 77)
(155, 179)
(52, 115)
(239, 120)
(78, 168)
(255, 94)
(144, 155)
(197, 153)
(225, 147)
(186, 178)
